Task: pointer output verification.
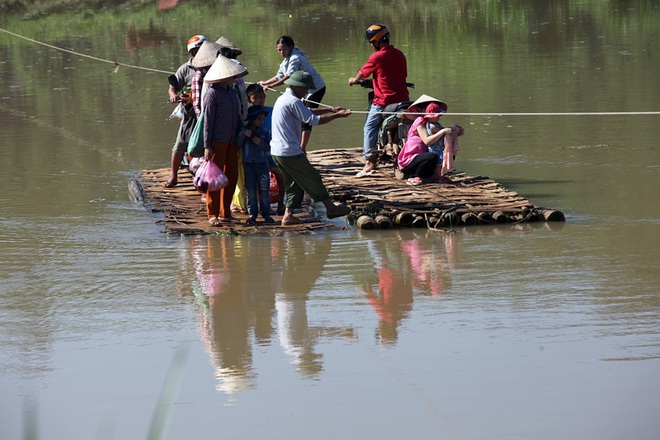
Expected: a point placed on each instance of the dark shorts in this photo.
(185, 130)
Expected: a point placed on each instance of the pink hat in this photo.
(433, 110)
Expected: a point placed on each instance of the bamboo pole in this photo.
(366, 222)
(384, 222)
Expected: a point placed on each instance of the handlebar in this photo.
(369, 84)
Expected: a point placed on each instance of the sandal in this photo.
(414, 181)
(364, 173)
(368, 169)
(215, 221)
(340, 210)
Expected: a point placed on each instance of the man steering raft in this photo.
(389, 69)
(300, 176)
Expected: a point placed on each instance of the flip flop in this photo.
(364, 173)
(215, 221)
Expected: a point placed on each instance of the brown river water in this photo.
(533, 331)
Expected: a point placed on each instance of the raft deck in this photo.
(377, 201)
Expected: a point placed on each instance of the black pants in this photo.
(423, 166)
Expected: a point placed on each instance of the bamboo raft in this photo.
(378, 201)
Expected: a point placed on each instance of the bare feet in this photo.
(289, 219)
(171, 183)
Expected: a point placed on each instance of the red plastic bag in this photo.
(209, 177)
(274, 189)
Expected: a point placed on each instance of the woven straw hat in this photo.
(420, 104)
(224, 68)
(207, 54)
(226, 43)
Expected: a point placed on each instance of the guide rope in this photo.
(115, 63)
(491, 114)
(118, 65)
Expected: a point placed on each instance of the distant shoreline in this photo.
(45, 8)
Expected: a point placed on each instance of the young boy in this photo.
(254, 142)
(257, 96)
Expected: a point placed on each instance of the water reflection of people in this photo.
(304, 262)
(237, 299)
(236, 293)
(430, 261)
(402, 268)
(389, 290)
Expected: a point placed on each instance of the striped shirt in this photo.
(196, 89)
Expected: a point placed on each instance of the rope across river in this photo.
(118, 65)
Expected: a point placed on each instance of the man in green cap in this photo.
(300, 176)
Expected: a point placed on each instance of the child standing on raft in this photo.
(254, 142)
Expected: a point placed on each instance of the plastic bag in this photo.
(194, 165)
(274, 190)
(178, 112)
(209, 177)
(196, 141)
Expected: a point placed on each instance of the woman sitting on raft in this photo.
(418, 160)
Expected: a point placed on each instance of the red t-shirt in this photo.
(390, 70)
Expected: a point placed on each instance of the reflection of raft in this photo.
(377, 201)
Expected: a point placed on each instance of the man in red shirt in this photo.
(389, 69)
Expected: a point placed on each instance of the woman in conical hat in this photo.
(222, 122)
(419, 106)
(416, 161)
(232, 68)
(222, 69)
(206, 55)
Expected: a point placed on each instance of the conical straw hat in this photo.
(420, 104)
(226, 43)
(224, 68)
(207, 54)
(234, 60)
